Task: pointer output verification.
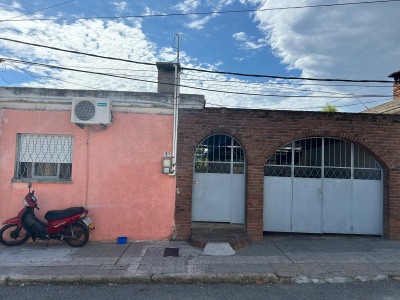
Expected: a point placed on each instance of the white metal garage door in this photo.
(323, 185)
(219, 181)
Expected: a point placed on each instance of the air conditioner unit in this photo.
(91, 111)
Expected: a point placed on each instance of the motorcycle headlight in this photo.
(34, 199)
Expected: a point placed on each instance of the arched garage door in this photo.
(323, 185)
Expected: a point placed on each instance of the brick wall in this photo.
(396, 90)
(262, 132)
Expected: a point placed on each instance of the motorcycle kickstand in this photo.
(47, 243)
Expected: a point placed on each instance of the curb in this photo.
(183, 279)
(148, 278)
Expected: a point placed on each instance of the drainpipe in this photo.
(176, 115)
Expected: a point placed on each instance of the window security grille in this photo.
(219, 154)
(44, 157)
(323, 158)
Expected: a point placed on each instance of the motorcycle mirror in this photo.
(29, 184)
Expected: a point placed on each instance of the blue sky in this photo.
(348, 41)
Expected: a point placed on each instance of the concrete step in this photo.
(236, 240)
(217, 228)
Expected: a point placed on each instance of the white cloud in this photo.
(190, 6)
(358, 42)
(250, 42)
(348, 41)
(108, 38)
(120, 6)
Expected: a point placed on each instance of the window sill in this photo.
(46, 180)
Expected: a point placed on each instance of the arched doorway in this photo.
(323, 185)
(219, 181)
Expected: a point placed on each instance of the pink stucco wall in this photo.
(116, 173)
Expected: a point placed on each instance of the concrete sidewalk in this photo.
(299, 259)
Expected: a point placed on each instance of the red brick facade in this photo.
(262, 132)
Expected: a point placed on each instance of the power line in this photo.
(227, 83)
(186, 86)
(291, 108)
(211, 12)
(77, 52)
(36, 11)
(112, 75)
(284, 77)
(202, 78)
(199, 70)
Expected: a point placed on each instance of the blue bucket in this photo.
(122, 240)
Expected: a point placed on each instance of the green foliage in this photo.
(329, 108)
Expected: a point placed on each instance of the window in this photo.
(323, 158)
(219, 154)
(47, 157)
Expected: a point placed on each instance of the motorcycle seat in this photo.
(64, 213)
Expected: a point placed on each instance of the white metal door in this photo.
(278, 204)
(211, 197)
(218, 193)
(323, 185)
(336, 209)
(306, 211)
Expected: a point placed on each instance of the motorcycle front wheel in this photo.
(80, 235)
(11, 235)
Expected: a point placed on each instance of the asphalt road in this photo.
(386, 289)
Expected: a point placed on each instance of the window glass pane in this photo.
(307, 172)
(45, 169)
(339, 173)
(362, 159)
(44, 156)
(282, 157)
(65, 171)
(219, 154)
(367, 174)
(337, 153)
(208, 167)
(308, 152)
(238, 154)
(238, 168)
(278, 171)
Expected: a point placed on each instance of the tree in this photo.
(329, 108)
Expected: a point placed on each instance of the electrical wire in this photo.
(199, 70)
(283, 77)
(33, 12)
(78, 52)
(186, 86)
(210, 12)
(37, 76)
(219, 105)
(291, 108)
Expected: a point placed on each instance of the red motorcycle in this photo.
(70, 225)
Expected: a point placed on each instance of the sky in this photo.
(319, 39)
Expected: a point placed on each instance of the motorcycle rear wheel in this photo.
(10, 235)
(80, 235)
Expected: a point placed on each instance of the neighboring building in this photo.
(113, 169)
(393, 106)
(288, 171)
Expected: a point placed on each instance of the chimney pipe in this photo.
(396, 84)
(166, 77)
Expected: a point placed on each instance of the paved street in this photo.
(300, 259)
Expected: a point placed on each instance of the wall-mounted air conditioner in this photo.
(91, 111)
